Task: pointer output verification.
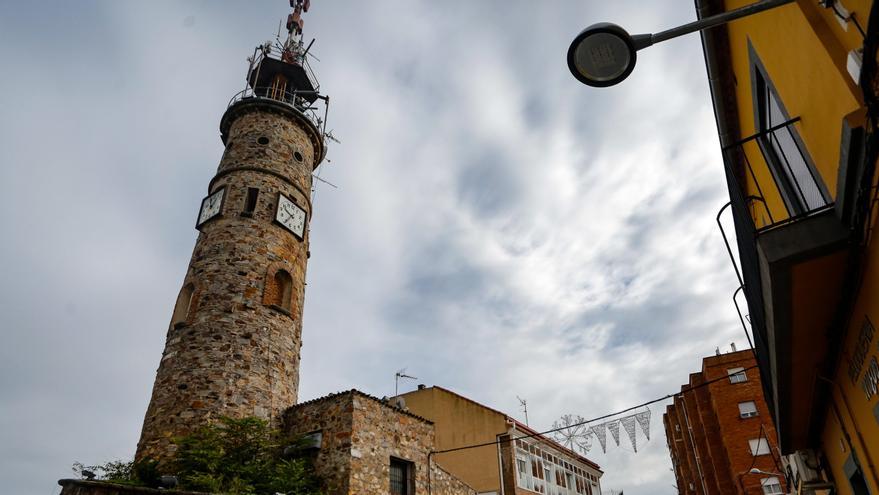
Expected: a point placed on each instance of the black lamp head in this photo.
(602, 55)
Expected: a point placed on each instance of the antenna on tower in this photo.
(524, 404)
(401, 374)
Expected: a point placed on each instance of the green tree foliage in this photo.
(231, 456)
(241, 456)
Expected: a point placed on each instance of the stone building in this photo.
(364, 445)
(513, 458)
(719, 429)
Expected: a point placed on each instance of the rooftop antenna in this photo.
(401, 374)
(524, 404)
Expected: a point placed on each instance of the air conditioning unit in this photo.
(804, 476)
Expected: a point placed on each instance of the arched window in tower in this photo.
(279, 290)
(184, 304)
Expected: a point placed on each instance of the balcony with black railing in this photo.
(791, 257)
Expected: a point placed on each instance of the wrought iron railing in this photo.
(779, 182)
(772, 182)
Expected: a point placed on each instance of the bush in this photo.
(232, 456)
(142, 473)
(241, 456)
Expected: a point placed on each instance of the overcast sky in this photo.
(498, 229)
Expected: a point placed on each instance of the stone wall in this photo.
(230, 353)
(443, 482)
(331, 416)
(359, 436)
(83, 487)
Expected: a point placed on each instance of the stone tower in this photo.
(232, 347)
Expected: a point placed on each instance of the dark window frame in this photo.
(407, 469)
(250, 202)
(761, 90)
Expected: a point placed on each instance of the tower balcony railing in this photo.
(297, 100)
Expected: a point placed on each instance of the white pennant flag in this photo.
(614, 428)
(629, 425)
(601, 434)
(643, 419)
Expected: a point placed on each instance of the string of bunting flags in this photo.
(575, 434)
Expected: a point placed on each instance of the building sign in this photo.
(862, 346)
(871, 379)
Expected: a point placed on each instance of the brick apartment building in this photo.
(720, 433)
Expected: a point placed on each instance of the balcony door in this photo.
(798, 182)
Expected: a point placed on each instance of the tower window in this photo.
(279, 290)
(263, 140)
(182, 307)
(250, 201)
(297, 156)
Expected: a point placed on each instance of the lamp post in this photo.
(604, 54)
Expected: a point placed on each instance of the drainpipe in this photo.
(500, 463)
(712, 66)
(693, 443)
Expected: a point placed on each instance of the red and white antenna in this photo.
(293, 51)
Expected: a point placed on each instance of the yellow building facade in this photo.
(794, 93)
(510, 458)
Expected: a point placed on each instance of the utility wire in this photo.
(599, 418)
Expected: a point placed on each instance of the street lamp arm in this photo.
(716, 20)
(604, 54)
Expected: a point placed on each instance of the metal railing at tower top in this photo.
(286, 78)
(296, 100)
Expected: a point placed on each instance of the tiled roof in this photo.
(359, 394)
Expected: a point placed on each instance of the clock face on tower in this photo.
(290, 216)
(210, 206)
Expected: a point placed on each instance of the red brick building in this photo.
(719, 431)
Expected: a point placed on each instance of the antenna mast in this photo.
(292, 51)
(524, 404)
(401, 374)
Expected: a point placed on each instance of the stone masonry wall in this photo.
(443, 482)
(231, 354)
(332, 417)
(83, 487)
(359, 436)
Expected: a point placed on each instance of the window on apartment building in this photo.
(737, 375)
(798, 182)
(747, 409)
(759, 446)
(402, 482)
(771, 486)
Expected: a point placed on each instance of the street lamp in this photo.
(767, 473)
(604, 54)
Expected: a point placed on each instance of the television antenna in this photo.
(524, 404)
(401, 374)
